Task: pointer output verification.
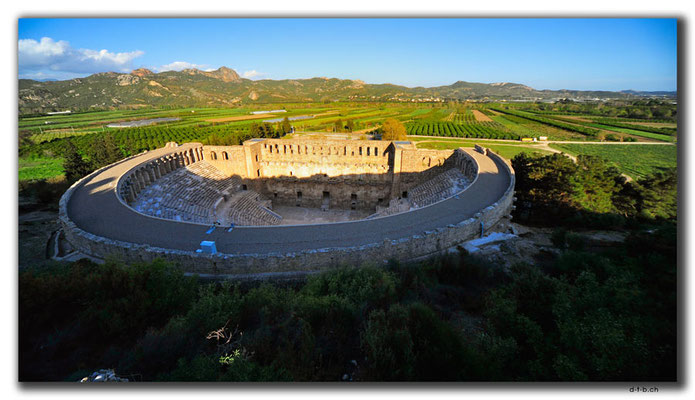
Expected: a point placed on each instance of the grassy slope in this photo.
(40, 168)
(634, 160)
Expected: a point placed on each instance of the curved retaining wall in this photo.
(415, 246)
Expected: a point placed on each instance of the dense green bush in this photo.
(583, 316)
(553, 190)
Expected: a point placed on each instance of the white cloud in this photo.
(181, 65)
(253, 74)
(58, 56)
(103, 56)
(44, 52)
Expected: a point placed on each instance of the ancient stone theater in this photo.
(273, 207)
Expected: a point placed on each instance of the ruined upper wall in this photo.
(269, 158)
(307, 158)
(231, 160)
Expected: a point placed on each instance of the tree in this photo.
(263, 130)
(74, 165)
(338, 126)
(104, 151)
(285, 127)
(350, 125)
(657, 195)
(392, 129)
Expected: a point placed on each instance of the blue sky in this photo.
(600, 54)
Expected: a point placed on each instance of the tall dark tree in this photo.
(263, 130)
(104, 151)
(657, 195)
(285, 127)
(74, 165)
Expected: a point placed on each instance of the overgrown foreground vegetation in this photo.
(585, 316)
(582, 313)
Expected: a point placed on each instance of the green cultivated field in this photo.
(39, 168)
(42, 139)
(635, 132)
(507, 151)
(633, 160)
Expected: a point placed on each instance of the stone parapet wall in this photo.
(415, 246)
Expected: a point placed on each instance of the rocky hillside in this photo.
(223, 87)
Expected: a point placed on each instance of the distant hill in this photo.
(224, 87)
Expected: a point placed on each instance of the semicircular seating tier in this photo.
(187, 194)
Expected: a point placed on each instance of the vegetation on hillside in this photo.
(637, 161)
(224, 87)
(553, 189)
(585, 316)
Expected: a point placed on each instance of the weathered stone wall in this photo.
(420, 165)
(346, 174)
(334, 192)
(338, 158)
(429, 242)
(231, 160)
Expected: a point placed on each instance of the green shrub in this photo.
(575, 241)
(559, 238)
(388, 345)
(413, 343)
(367, 287)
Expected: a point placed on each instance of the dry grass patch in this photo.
(480, 117)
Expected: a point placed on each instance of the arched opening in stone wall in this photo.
(213, 155)
(225, 155)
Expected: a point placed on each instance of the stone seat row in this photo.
(438, 188)
(396, 206)
(247, 210)
(187, 194)
(164, 207)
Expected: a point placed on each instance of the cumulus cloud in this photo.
(181, 65)
(40, 57)
(253, 74)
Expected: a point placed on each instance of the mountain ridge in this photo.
(225, 87)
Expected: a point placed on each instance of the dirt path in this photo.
(544, 146)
